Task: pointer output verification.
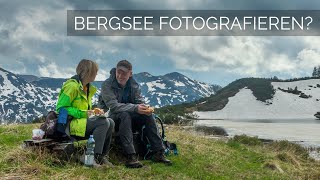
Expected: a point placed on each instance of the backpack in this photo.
(55, 125)
(142, 144)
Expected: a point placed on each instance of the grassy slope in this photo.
(261, 89)
(199, 158)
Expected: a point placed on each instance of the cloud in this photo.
(308, 58)
(34, 33)
(32, 25)
(281, 63)
(198, 5)
(8, 47)
(29, 28)
(245, 56)
(102, 75)
(53, 70)
(240, 54)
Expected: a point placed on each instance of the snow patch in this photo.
(178, 83)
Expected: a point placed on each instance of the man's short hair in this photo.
(124, 65)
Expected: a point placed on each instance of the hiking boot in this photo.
(159, 157)
(95, 164)
(132, 161)
(103, 160)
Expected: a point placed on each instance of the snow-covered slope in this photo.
(283, 105)
(172, 88)
(20, 100)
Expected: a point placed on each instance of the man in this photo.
(122, 95)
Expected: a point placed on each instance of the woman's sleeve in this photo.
(67, 94)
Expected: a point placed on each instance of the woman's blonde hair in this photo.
(87, 69)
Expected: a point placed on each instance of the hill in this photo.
(291, 100)
(254, 98)
(262, 89)
(199, 158)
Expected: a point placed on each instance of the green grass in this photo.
(261, 89)
(199, 158)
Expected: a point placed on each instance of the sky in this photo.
(34, 41)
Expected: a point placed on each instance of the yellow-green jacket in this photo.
(76, 102)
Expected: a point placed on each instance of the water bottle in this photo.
(89, 155)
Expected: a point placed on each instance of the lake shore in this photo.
(213, 130)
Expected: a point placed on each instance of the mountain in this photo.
(286, 100)
(29, 78)
(23, 97)
(21, 101)
(47, 82)
(172, 88)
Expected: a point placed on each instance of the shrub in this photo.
(287, 146)
(243, 139)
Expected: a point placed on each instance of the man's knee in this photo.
(145, 117)
(111, 123)
(124, 115)
(150, 119)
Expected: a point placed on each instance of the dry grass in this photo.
(199, 158)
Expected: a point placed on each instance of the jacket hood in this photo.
(76, 77)
(78, 80)
(113, 73)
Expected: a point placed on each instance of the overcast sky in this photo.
(33, 41)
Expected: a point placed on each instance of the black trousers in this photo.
(126, 123)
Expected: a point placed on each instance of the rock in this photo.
(212, 130)
(302, 95)
(317, 115)
(273, 166)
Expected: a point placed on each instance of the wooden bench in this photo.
(64, 149)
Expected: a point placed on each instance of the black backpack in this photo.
(142, 144)
(55, 125)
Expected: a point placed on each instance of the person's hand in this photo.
(144, 109)
(150, 110)
(90, 113)
(98, 111)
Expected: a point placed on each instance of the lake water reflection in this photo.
(303, 131)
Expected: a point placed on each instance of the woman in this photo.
(75, 96)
